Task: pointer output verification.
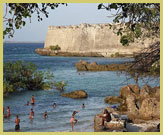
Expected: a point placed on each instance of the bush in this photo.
(25, 76)
(61, 85)
(55, 48)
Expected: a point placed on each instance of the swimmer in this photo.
(83, 106)
(32, 100)
(17, 126)
(54, 105)
(8, 112)
(27, 104)
(73, 120)
(45, 115)
(31, 114)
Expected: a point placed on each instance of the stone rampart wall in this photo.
(90, 38)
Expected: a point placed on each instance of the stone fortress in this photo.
(91, 38)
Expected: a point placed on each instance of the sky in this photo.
(74, 13)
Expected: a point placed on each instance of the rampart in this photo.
(84, 38)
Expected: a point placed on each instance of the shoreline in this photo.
(48, 52)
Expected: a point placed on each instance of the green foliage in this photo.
(141, 19)
(124, 40)
(61, 85)
(25, 76)
(55, 48)
(19, 12)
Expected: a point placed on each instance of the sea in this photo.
(98, 85)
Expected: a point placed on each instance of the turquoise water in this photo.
(98, 85)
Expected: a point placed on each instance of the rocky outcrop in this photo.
(48, 52)
(112, 100)
(150, 109)
(85, 66)
(116, 124)
(142, 107)
(139, 104)
(76, 94)
(129, 90)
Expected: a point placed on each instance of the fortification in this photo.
(84, 38)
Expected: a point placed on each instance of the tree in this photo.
(60, 85)
(138, 20)
(25, 76)
(18, 12)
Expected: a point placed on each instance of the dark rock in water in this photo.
(85, 66)
(49, 52)
(112, 100)
(76, 94)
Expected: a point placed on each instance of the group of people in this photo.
(73, 121)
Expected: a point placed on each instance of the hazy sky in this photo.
(63, 15)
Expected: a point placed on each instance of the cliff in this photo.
(86, 38)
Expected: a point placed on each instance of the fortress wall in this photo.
(89, 38)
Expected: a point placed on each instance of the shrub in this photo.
(25, 76)
(61, 85)
(55, 48)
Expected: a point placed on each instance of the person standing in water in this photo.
(45, 115)
(83, 106)
(31, 114)
(8, 112)
(54, 105)
(17, 126)
(27, 104)
(32, 100)
(73, 120)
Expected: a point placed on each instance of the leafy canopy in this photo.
(25, 76)
(19, 12)
(138, 20)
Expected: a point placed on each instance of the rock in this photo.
(76, 94)
(85, 66)
(122, 107)
(145, 92)
(156, 93)
(146, 126)
(115, 125)
(128, 90)
(112, 100)
(131, 105)
(150, 109)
